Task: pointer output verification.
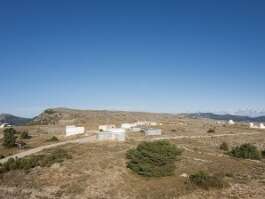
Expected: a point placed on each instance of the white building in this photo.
(231, 122)
(261, 126)
(73, 130)
(111, 136)
(153, 132)
(106, 127)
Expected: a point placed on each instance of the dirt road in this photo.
(38, 149)
(205, 136)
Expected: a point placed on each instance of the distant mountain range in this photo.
(13, 120)
(236, 118)
(92, 118)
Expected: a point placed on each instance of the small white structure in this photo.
(5, 125)
(111, 136)
(135, 129)
(231, 122)
(106, 127)
(117, 130)
(128, 125)
(153, 132)
(261, 126)
(153, 124)
(253, 126)
(73, 130)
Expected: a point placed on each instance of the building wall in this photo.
(73, 130)
(153, 132)
(111, 136)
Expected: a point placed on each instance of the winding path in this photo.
(38, 149)
(93, 138)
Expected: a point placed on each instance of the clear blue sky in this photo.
(160, 56)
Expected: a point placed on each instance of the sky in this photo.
(141, 55)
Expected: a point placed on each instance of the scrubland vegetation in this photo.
(204, 180)
(43, 160)
(153, 159)
(246, 151)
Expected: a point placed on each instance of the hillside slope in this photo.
(236, 118)
(93, 118)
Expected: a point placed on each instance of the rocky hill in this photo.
(13, 120)
(93, 118)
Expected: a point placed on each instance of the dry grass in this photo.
(98, 170)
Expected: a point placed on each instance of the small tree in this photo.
(9, 138)
(224, 146)
(24, 135)
(153, 158)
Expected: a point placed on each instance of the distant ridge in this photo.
(13, 120)
(236, 118)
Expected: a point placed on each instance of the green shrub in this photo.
(211, 130)
(153, 158)
(9, 139)
(205, 181)
(43, 160)
(53, 139)
(224, 146)
(263, 153)
(25, 135)
(246, 151)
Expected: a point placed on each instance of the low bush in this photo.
(25, 135)
(53, 139)
(211, 130)
(153, 159)
(206, 181)
(245, 151)
(263, 153)
(224, 146)
(44, 160)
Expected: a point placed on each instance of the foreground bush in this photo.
(205, 181)
(153, 158)
(44, 160)
(9, 139)
(246, 151)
